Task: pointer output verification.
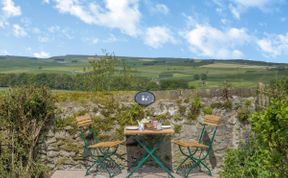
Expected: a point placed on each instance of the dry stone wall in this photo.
(61, 147)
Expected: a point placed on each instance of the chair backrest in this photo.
(209, 121)
(87, 133)
(84, 121)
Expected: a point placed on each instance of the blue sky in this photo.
(222, 29)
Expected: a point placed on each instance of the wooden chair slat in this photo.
(211, 124)
(193, 144)
(84, 123)
(211, 120)
(83, 118)
(106, 144)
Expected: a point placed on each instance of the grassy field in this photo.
(240, 73)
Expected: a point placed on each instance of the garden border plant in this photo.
(264, 153)
(24, 114)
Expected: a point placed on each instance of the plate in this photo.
(166, 126)
(132, 127)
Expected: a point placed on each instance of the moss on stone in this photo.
(63, 161)
(71, 146)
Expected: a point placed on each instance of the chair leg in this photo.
(193, 166)
(104, 161)
(195, 161)
(209, 171)
(97, 162)
(181, 164)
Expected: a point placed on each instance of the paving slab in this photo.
(81, 174)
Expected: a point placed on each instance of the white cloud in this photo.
(158, 36)
(41, 54)
(215, 43)
(274, 45)
(62, 31)
(10, 9)
(160, 8)
(120, 14)
(253, 3)
(225, 21)
(19, 31)
(235, 11)
(3, 22)
(94, 40)
(54, 29)
(239, 6)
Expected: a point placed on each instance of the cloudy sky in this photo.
(224, 29)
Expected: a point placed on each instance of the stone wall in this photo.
(61, 147)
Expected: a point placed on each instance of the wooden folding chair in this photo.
(197, 151)
(98, 154)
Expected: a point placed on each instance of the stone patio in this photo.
(142, 174)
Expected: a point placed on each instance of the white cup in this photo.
(141, 126)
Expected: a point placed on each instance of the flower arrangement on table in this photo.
(147, 123)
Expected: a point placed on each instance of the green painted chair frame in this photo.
(202, 149)
(98, 154)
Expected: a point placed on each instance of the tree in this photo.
(173, 84)
(203, 76)
(103, 69)
(196, 77)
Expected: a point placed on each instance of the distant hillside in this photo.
(239, 72)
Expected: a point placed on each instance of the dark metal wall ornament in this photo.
(144, 98)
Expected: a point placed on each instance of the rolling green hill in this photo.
(240, 73)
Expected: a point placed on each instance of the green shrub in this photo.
(216, 105)
(60, 123)
(163, 117)
(243, 114)
(266, 154)
(24, 113)
(178, 117)
(226, 105)
(278, 88)
(248, 161)
(182, 109)
(208, 110)
(194, 109)
(177, 128)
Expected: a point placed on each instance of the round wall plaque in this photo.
(145, 98)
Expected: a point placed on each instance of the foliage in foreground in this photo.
(24, 112)
(265, 154)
